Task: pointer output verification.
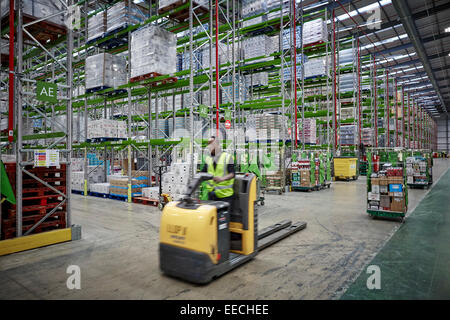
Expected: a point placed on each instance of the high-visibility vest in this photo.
(225, 188)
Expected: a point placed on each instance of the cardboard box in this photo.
(395, 180)
(375, 181)
(384, 181)
(375, 188)
(373, 196)
(385, 201)
(398, 204)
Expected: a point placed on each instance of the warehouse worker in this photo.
(221, 166)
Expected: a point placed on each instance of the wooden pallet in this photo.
(44, 226)
(42, 31)
(311, 45)
(171, 6)
(146, 201)
(10, 212)
(182, 15)
(33, 219)
(155, 83)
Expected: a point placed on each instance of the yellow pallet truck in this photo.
(201, 240)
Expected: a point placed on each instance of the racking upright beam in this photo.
(25, 97)
(387, 111)
(408, 107)
(294, 75)
(396, 112)
(11, 72)
(375, 86)
(358, 70)
(334, 93)
(19, 121)
(69, 114)
(403, 119)
(216, 16)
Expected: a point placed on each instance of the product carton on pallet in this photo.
(314, 31)
(97, 25)
(257, 46)
(315, 67)
(100, 188)
(105, 128)
(153, 50)
(119, 186)
(105, 70)
(39, 9)
(150, 192)
(309, 128)
(122, 14)
(165, 5)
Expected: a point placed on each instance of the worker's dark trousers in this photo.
(212, 196)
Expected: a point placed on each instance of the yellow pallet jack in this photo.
(201, 240)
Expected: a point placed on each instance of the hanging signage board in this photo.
(46, 91)
(46, 158)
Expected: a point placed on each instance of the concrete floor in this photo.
(118, 254)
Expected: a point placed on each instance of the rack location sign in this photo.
(46, 91)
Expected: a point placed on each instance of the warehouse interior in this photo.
(339, 161)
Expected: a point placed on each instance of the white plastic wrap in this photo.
(105, 70)
(153, 49)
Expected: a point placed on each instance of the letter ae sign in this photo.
(46, 91)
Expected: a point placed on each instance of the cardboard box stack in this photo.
(150, 193)
(347, 82)
(175, 181)
(287, 70)
(77, 164)
(153, 49)
(287, 37)
(301, 173)
(96, 175)
(309, 127)
(387, 191)
(77, 180)
(347, 56)
(367, 136)
(253, 7)
(315, 67)
(274, 179)
(100, 187)
(268, 126)
(39, 9)
(347, 113)
(257, 79)
(105, 128)
(164, 4)
(97, 25)
(227, 91)
(348, 134)
(257, 46)
(416, 170)
(122, 14)
(314, 31)
(105, 70)
(119, 186)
